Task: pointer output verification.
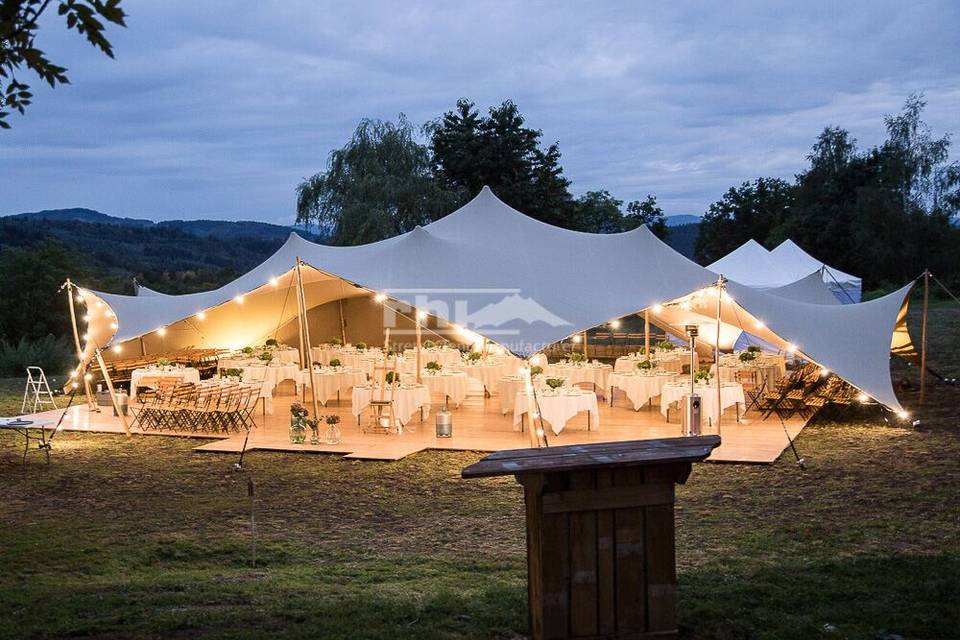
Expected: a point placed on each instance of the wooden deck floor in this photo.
(478, 426)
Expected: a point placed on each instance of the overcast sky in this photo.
(217, 109)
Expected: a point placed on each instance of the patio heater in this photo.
(691, 414)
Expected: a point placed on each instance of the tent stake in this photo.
(923, 336)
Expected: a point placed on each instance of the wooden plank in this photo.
(613, 498)
(661, 569)
(555, 536)
(606, 563)
(583, 559)
(532, 495)
(629, 533)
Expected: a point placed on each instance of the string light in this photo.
(760, 325)
(86, 337)
(202, 315)
(79, 298)
(824, 372)
(238, 299)
(86, 317)
(117, 348)
(577, 338)
(114, 325)
(863, 397)
(88, 377)
(657, 308)
(162, 331)
(903, 415)
(791, 348)
(380, 298)
(614, 324)
(421, 315)
(74, 385)
(274, 281)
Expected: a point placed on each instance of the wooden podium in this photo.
(600, 533)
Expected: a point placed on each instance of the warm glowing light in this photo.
(614, 324)
(113, 325)
(824, 372)
(88, 377)
(577, 338)
(110, 313)
(99, 303)
(274, 281)
(863, 397)
(421, 315)
(791, 348)
(657, 308)
(86, 337)
(760, 325)
(86, 317)
(685, 305)
(117, 348)
(903, 415)
(202, 315)
(73, 374)
(380, 298)
(162, 331)
(74, 385)
(540, 433)
(238, 299)
(79, 298)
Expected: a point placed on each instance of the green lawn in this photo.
(141, 538)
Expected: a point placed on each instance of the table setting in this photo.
(407, 399)
(640, 386)
(731, 394)
(452, 385)
(557, 406)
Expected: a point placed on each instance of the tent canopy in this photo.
(518, 281)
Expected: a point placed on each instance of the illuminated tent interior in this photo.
(489, 270)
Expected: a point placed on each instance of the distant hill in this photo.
(223, 229)
(676, 221)
(682, 237)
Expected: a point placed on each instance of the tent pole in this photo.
(113, 395)
(419, 375)
(296, 281)
(306, 336)
(646, 333)
(92, 406)
(585, 345)
(923, 336)
(343, 324)
(716, 350)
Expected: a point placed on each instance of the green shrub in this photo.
(54, 355)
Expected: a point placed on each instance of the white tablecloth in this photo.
(287, 355)
(507, 389)
(185, 374)
(673, 361)
(348, 356)
(406, 401)
(331, 381)
(452, 384)
(489, 371)
(731, 393)
(445, 356)
(558, 409)
(767, 367)
(639, 387)
(595, 374)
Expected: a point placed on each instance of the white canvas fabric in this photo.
(795, 262)
(811, 289)
(522, 283)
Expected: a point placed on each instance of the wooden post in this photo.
(343, 324)
(91, 405)
(296, 285)
(716, 350)
(923, 336)
(585, 345)
(113, 395)
(646, 332)
(306, 337)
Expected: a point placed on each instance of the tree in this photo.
(376, 186)
(31, 304)
(599, 212)
(471, 151)
(19, 23)
(751, 211)
(646, 212)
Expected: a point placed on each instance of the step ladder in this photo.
(37, 393)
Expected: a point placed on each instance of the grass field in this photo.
(141, 538)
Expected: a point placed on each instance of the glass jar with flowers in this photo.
(333, 429)
(298, 423)
(314, 425)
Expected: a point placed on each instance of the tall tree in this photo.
(751, 211)
(19, 24)
(376, 186)
(599, 212)
(31, 304)
(649, 213)
(498, 150)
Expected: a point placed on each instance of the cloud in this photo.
(217, 110)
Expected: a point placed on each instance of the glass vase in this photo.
(298, 430)
(315, 435)
(333, 434)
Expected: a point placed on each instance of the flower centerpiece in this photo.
(336, 342)
(428, 344)
(272, 343)
(361, 346)
(578, 358)
(474, 356)
(247, 351)
(392, 377)
(748, 356)
(335, 362)
(434, 367)
(298, 423)
(666, 345)
(163, 363)
(645, 365)
(535, 370)
(702, 376)
(314, 425)
(233, 373)
(266, 357)
(333, 430)
(554, 383)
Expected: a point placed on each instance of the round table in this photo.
(731, 393)
(449, 384)
(639, 387)
(331, 381)
(444, 355)
(592, 373)
(490, 370)
(557, 407)
(507, 389)
(407, 399)
(180, 374)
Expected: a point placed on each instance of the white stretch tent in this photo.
(751, 264)
(518, 281)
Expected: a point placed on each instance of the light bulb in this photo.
(863, 397)
(162, 331)
(577, 338)
(88, 377)
(380, 298)
(903, 415)
(202, 315)
(113, 325)
(117, 348)
(614, 324)
(760, 325)
(274, 281)
(238, 299)
(791, 348)
(421, 315)
(657, 308)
